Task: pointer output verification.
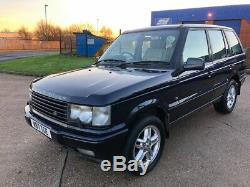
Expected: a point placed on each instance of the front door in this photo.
(194, 87)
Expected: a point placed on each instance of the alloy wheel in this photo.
(147, 145)
(231, 96)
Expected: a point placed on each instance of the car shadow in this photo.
(186, 157)
(182, 145)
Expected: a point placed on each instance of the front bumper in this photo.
(103, 142)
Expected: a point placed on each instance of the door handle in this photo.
(210, 74)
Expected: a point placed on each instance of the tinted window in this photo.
(217, 44)
(196, 46)
(233, 42)
(124, 46)
(147, 46)
(158, 48)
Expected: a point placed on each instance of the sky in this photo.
(117, 14)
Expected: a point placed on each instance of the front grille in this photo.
(52, 108)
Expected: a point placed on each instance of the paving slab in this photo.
(206, 149)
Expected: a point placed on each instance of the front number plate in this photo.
(41, 128)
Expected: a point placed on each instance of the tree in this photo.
(74, 28)
(89, 27)
(79, 28)
(47, 31)
(24, 33)
(5, 30)
(106, 32)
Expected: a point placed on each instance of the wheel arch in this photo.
(147, 108)
(236, 77)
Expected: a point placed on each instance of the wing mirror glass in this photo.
(194, 64)
(97, 58)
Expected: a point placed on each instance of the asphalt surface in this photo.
(206, 149)
(10, 55)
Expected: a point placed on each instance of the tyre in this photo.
(228, 101)
(146, 142)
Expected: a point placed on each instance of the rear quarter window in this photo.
(233, 42)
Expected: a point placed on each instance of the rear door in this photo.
(227, 58)
(219, 49)
(236, 56)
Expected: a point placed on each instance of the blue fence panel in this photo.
(88, 45)
(81, 48)
(94, 44)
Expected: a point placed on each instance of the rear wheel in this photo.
(228, 101)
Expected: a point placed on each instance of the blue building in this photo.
(88, 44)
(234, 16)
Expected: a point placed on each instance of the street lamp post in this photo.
(97, 26)
(45, 9)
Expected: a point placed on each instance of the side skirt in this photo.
(197, 109)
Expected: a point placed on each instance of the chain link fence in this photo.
(68, 44)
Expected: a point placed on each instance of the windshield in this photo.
(151, 46)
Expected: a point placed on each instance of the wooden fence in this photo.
(16, 44)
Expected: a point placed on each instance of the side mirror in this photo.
(194, 64)
(97, 58)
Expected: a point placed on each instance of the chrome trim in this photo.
(49, 119)
(56, 110)
(192, 97)
(183, 100)
(56, 122)
(51, 95)
(226, 66)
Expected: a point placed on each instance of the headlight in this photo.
(82, 113)
(97, 116)
(101, 116)
(30, 95)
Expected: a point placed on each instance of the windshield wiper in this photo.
(150, 62)
(147, 63)
(111, 60)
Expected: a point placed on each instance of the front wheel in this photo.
(146, 142)
(228, 101)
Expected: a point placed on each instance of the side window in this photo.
(217, 44)
(196, 46)
(233, 42)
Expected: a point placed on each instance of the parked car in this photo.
(144, 83)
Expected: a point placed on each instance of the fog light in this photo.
(86, 152)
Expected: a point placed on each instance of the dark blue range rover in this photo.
(146, 81)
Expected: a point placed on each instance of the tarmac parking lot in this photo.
(206, 149)
(5, 56)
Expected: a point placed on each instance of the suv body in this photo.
(145, 82)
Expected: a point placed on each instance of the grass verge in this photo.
(44, 65)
